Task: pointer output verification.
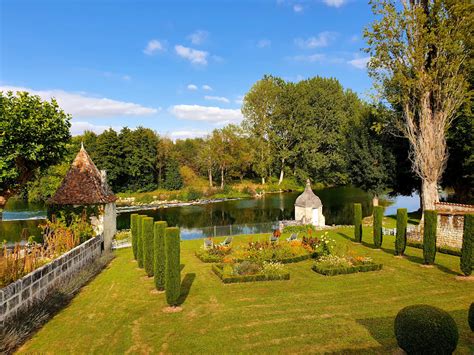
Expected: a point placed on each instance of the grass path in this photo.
(118, 312)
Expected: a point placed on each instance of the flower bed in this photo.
(247, 271)
(215, 254)
(332, 265)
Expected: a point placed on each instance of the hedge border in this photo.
(205, 260)
(346, 270)
(291, 260)
(217, 268)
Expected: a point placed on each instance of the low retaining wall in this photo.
(37, 283)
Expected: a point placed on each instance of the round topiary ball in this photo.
(423, 329)
(470, 317)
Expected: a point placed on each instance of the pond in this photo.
(245, 216)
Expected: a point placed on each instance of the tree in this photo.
(429, 236)
(134, 220)
(163, 151)
(259, 104)
(467, 250)
(419, 59)
(401, 237)
(358, 222)
(173, 267)
(148, 245)
(173, 179)
(378, 223)
(33, 135)
(160, 256)
(206, 157)
(108, 157)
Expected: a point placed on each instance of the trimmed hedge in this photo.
(467, 254)
(358, 222)
(218, 270)
(346, 270)
(206, 258)
(133, 232)
(470, 317)
(159, 254)
(148, 249)
(378, 220)
(440, 249)
(401, 237)
(140, 241)
(429, 236)
(172, 266)
(423, 329)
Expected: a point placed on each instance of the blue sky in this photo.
(178, 67)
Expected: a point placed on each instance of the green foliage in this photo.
(173, 266)
(358, 222)
(227, 275)
(378, 220)
(423, 329)
(46, 184)
(173, 179)
(429, 236)
(401, 237)
(467, 250)
(140, 241)
(470, 316)
(160, 256)
(148, 247)
(306, 229)
(134, 232)
(33, 135)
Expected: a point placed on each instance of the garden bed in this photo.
(219, 271)
(333, 271)
(208, 258)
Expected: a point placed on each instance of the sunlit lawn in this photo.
(118, 312)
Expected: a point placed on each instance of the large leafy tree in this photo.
(420, 53)
(33, 135)
(108, 157)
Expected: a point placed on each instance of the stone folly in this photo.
(84, 185)
(309, 209)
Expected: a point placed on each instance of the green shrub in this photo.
(133, 232)
(160, 256)
(140, 241)
(148, 249)
(358, 222)
(193, 194)
(429, 236)
(401, 238)
(470, 317)
(378, 219)
(423, 329)
(467, 254)
(173, 267)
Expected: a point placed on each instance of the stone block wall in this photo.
(450, 225)
(39, 282)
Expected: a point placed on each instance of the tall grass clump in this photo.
(133, 232)
(148, 248)
(378, 219)
(467, 254)
(160, 256)
(429, 236)
(172, 269)
(401, 237)
(358, 222)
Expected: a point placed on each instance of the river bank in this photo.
(165, 204)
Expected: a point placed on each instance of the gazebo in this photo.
(85, 186)
(308, 208)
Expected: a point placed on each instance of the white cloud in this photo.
(153, 47)
(335, 3)
(359, 63)
(321, 40)
(297, 8)
(191, 133)
(81, 105)
(195, 56)
(264, 43)
(198, 37)
(207, 88)
(312, 58)
(239, 100)
(206, 114)
(192, 87)
(217, 98)
(78, 128)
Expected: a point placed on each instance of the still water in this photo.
(250, 215)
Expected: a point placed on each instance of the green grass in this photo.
(118, 312)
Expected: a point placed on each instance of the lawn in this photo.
(119, 312)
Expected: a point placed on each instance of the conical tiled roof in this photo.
(82, 184)
(308, 199)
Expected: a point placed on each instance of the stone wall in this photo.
(36, 284)
(450, 225)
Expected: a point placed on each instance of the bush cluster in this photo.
(429, 236)
(378, 220)
(423, 329)
(358, 222)
(401, 237)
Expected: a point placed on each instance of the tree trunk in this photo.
(429, 195)
(282, 171)
(209, 172)
(263, 180)
(222, 177)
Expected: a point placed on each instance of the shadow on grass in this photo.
(181, 267)
(186, 284)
